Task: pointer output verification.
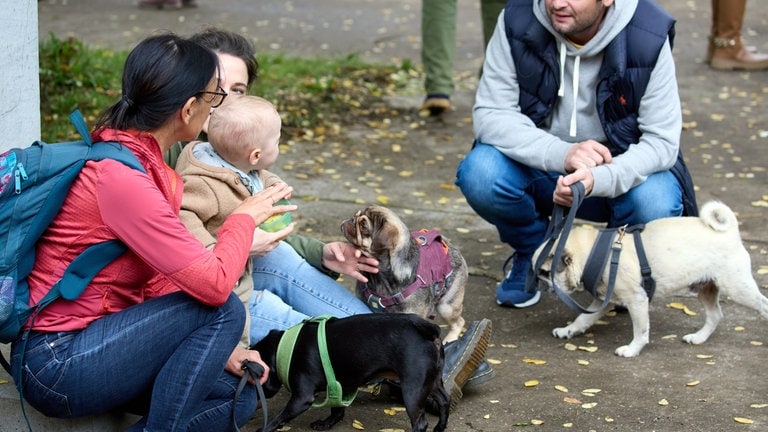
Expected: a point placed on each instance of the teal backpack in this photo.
(34, 181)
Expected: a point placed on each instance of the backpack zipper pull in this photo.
(19, 174)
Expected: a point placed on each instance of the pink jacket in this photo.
(110, 200)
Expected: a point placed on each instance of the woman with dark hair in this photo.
(155, 328)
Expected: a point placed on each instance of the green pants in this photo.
(438, 36)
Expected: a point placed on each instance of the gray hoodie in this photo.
(498, 120)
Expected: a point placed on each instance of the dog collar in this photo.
(434, 270)
(334, 396)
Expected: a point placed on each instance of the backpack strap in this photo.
(84, 268)
(79, 122)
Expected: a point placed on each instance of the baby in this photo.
(243, 134)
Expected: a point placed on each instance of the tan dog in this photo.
(400, 285)
(702, 255)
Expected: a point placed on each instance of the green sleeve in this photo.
(172, 155)
(311, 250)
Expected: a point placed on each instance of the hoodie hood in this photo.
(576, 115)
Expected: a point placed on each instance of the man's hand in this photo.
(346, 259)
(586, 154)
(564, 195)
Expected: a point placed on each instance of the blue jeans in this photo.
(289, 290)
(517, 199)
(163, 359)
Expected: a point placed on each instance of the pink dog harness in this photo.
(434, 272)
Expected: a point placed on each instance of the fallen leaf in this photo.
(534, 361)
(758, 405)
(693, 383)
(589, 405)
(531, 383)
(462, 230)
(588, 348)
(609, 419)
(567, 425)
(676, 305)
(704, 356)
(663, 402)
(570, 347)
(561, 388)
(382, 199)
(582, 362)
(739, 328)
(537, 422)
(571, 400)
(493, 361)
(743, 420)
(357, 424)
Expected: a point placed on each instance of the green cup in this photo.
(278, 221)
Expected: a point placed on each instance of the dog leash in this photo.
(255, 371)
(560, 225)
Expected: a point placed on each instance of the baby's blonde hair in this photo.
(241, 123)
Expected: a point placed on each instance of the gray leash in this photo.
(560, 226)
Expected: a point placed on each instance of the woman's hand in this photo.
(239, 355)
(265, 242)
(261, 206)
(346, 259)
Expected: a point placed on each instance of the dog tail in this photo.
(718, 216)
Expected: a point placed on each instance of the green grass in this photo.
(312, 94)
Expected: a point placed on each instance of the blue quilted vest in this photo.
(627, 65)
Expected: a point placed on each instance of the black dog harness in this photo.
(434, 272)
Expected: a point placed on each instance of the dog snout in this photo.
(544, 280)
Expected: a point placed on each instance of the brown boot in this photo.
(728, 51)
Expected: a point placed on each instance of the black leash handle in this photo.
(255, 371)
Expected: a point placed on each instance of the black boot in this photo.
(464, 356)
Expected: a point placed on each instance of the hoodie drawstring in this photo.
(574, 84)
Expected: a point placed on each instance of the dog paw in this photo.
(563, 333)
(627, 351)
(694, 339)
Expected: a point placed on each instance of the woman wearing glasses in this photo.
(121, 345)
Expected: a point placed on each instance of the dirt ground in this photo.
(671, 386)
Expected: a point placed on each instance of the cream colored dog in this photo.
(702, 255)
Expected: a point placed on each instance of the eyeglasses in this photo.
(215, 98)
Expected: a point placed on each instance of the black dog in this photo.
(362, 348)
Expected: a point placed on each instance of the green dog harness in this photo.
(333, 395)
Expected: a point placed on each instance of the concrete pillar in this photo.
(19, 74)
